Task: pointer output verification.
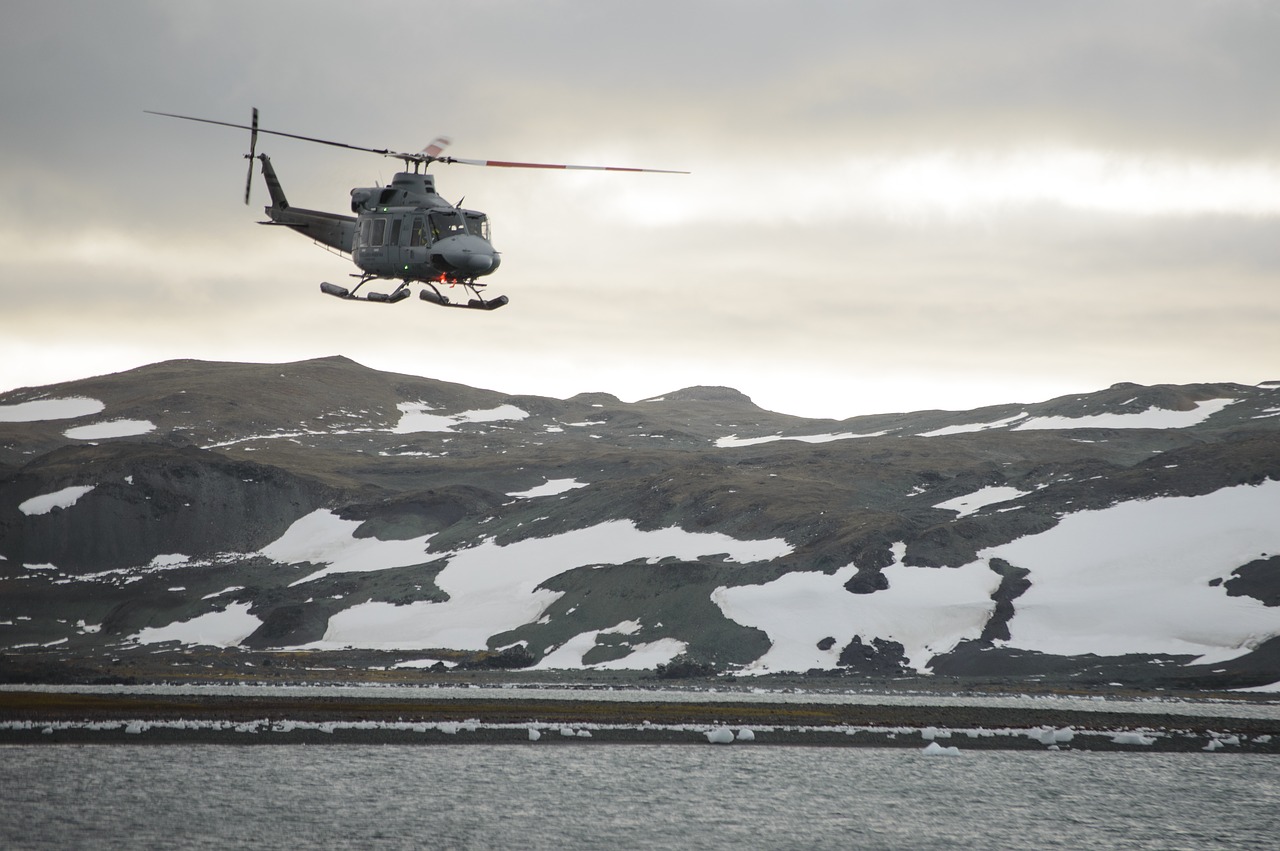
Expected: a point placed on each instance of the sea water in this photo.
(628, 796)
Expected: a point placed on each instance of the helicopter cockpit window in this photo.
(478, 225)
(379, 232)
(418, 236)
(445, 224)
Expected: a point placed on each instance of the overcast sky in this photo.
(893, 205)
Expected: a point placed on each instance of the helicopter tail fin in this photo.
(278, 201)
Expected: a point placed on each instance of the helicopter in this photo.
(404, 231)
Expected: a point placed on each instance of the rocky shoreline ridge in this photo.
(35, 715)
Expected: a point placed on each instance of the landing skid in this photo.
(399, 294)
(434, 296)
(430, 294)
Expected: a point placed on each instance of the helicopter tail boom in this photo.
(329, 229)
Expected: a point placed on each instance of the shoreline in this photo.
(34, 716)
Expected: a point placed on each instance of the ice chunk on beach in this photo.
(935, 749)
(720, 736)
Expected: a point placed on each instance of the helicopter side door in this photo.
(371, 244)
(415, 255)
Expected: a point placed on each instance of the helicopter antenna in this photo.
(253, 146)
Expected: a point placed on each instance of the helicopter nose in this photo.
(469, 258)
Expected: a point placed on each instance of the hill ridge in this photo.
(322, 504)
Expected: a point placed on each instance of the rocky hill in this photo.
(1129, 535)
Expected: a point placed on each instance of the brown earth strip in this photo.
(645, 720)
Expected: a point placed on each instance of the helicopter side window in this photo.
(365, 227)
(395, 231)
(418, 236)
(446, 224)
(478, 225)
(379, 232)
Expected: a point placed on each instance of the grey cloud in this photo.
(1042, 291)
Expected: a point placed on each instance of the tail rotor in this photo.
(253, 146)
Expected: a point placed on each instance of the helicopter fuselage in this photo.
(403, 232)
(407, 231)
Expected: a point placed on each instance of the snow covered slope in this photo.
(1130, 534)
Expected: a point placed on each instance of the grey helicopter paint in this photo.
(404, 232)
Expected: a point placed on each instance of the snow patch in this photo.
(494, 588)
(1267, 689)
(927, 610)
(424, 663)
(733, 440)
(552, 487)
(965, 428)
(979, 499)
(219, 629)
(1134, 578)
(414, 417)
(645, 656)
(1151, 418)
(64, 498)
(50, 409)
(323, 537)
(112, 428)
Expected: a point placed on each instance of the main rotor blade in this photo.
(383, 151)
(428, 155)
(506, 164)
